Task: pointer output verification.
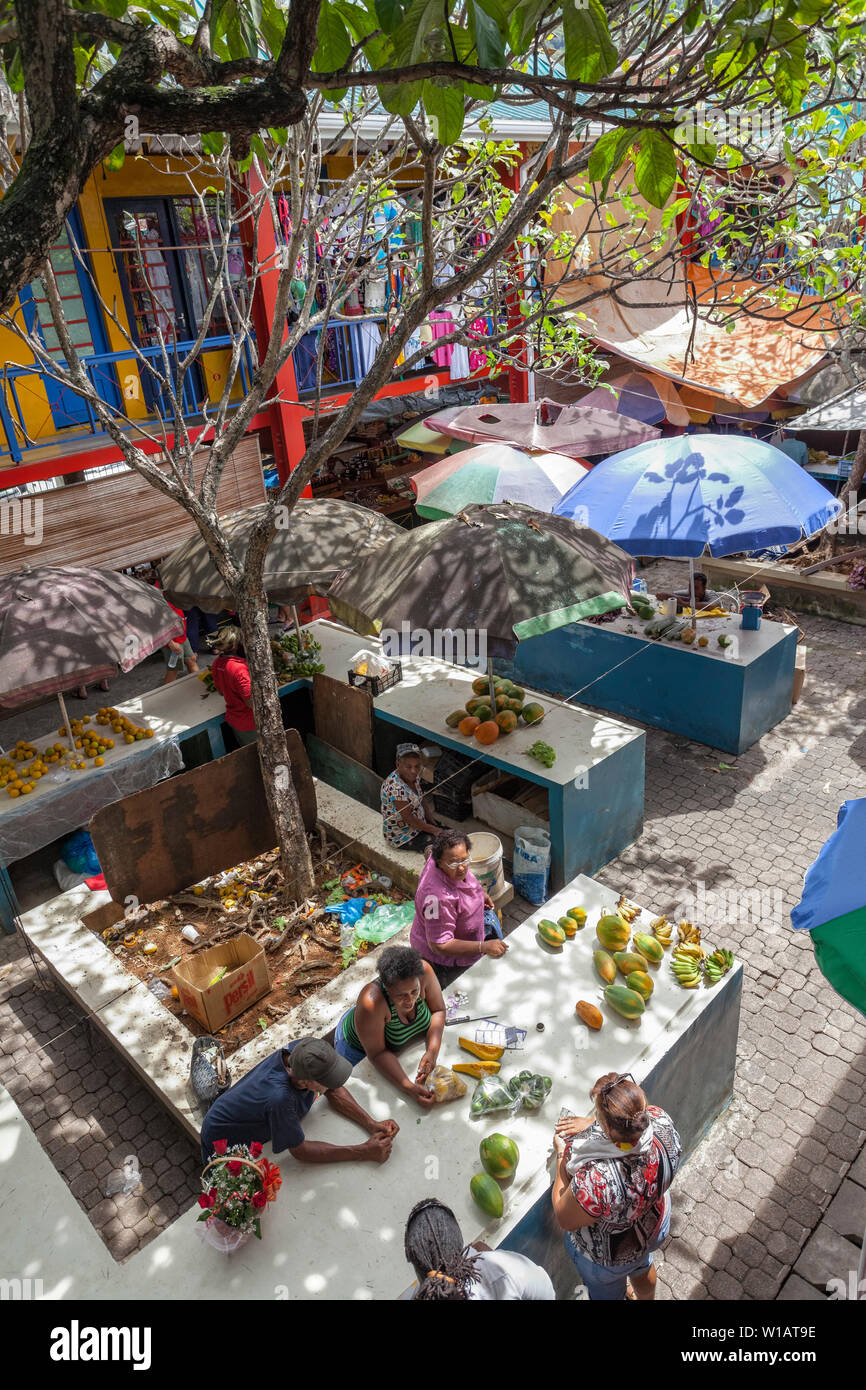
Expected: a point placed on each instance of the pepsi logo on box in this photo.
(245, 980)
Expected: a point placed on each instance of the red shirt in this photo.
(231, 676)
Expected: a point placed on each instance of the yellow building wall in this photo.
(156, 177)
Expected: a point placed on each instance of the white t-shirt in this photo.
(506, 1276)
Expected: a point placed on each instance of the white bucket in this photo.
(485, 858)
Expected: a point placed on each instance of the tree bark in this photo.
(297, 864)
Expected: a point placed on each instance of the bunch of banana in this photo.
(689, 933)
(627, 910)
(687, 971)
(717, 965)
(689, 951)
(662, 930)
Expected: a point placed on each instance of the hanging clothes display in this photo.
(479, 328)
(366, 339)
(459, 362)
(441, 324)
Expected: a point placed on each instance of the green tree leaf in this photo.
(489, 40)
(389, 14)
(212, 142)
(334, 44)
(589, 50)
(608, 154)
(655, 168)
(401, 99)
(116, 159)
(445, 110)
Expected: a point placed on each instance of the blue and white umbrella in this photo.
(700, 492)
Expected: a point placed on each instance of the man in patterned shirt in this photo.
(407, 818)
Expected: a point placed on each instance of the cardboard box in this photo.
(245, 981)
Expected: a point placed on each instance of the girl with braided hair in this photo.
(447, 1269)
(610, 1192)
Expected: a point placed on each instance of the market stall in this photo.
(727, 696)
(593, 791)
(337, 1232)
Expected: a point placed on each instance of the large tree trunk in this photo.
(276, 773)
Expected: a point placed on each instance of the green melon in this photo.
(488, 1194)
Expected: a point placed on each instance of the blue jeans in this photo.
(606, 1283)
(343, 1047)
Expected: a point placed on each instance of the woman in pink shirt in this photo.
(449, 929)
(231, 676)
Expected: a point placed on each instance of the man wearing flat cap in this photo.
(270, 1103)
(407, 816)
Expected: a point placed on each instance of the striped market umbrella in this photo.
(494, 473)
(833, 906)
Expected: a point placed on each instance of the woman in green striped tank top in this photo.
(405, 1002)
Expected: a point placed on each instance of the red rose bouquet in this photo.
(237, 1185)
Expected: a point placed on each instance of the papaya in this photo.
(488, 1194)
(627, 961)
(649, 947)
(516, 692)
(507, 721)
(454, 718)
(499, 1156)
(476, 1069)
(640, 980)
(605, 965)
(477, 702)
(613, 932)
(485, 1052)
(569, 926)
(487, 731)
(589, 1014)
(550, 933)
(515, 705)
(468, 725)
(579, 915)
(483, 712)
(532, 714)
(481, 685)
(626, 1001)
(502, 702)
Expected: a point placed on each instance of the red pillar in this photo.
(285, 417)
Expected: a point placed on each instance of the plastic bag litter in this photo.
(78, 852)
(125, 1179)
(385, 922)
(446, 1084)
(159, 989)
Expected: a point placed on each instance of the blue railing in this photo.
(342, 360)
(102, 371)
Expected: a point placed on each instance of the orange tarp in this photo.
(650, 323)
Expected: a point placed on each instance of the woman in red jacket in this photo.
(231, 676)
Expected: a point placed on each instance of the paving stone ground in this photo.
(771, 1200)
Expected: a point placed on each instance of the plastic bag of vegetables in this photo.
(446, 1084)
(495, 1093)
(491, 1093)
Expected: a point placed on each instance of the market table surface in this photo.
(725, 697)
(337, 1231)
